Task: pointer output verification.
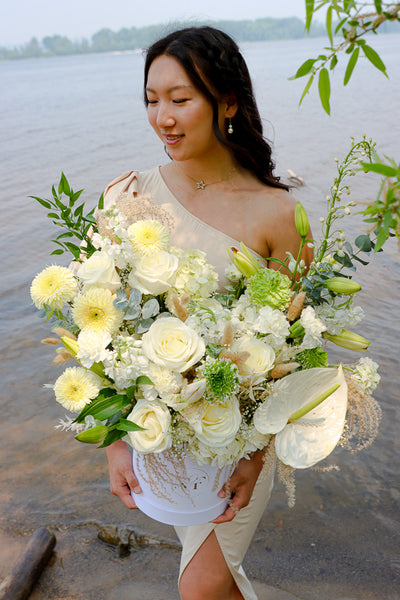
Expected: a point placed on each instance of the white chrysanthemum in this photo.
(366, 374)
(148, 236)
(313, 328)
(92, 347)
(54, 286)
(95, 310)
(165, 381)
(76, 387)
(273, 323)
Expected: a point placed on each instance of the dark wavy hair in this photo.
(215, 66)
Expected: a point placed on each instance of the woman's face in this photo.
(179, 113)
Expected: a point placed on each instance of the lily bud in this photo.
(71, 345)
(349, 340)
(301, 220)
(94, 435)
(244, 260)
(342, 285)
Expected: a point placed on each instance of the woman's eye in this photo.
(180, 100)
(151, 101)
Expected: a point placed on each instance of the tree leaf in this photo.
(374, 58)
(334, 62)
(324, 88)
(44, 203)
(309, 13)
(363, 242)
(378, 6)
(305, 68)
(306, 89)
(382, 237)
(351, 64)
(340, 25)
(58, 251)
(329, 23)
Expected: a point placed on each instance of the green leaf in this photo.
(44, 203)
(378, 6)
(109, 406)
(305, 68)
(112, 436)
(351, 64)
(144, 380)
(324, 88)
(306, 89)
(382, 237)
(64, 185)
(58, 251)
(127, 425)
(309, 13)
(105, 393)
(374, 58)
(100, 203)
(384, 170)
(363, 242)
(334, 62)
(340, 25)
(329, 23)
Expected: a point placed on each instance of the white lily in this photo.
(306, 411)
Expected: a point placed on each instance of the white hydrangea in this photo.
(126, 362)
(337, 319)
(313, 328)
(232, 273)
(195, 276)
(366, 374)
(93, 347)
(273, 323)
(209, 320)
(244, 315)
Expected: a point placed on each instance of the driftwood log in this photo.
(19, 582)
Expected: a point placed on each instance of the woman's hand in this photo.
(122, 477)
(241, 485)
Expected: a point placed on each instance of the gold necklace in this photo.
(201, 184)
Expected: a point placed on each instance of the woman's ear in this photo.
(231, 106)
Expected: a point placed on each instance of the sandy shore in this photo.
(144, 567)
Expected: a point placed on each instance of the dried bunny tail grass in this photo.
(62, 356)
(61, 332)
(296, 306)
(141, 208)
(103, 228)
(239, 358)
(179, 308)
(286, 477)
(227, 337)
(283, 369)
(50, 341)
(363, 416)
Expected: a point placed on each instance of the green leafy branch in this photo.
(69, 216)
(353, 24)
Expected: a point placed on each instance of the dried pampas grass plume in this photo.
(238, 358)
(283, 369)
(179, 307)
(296, 306)
(227, 337)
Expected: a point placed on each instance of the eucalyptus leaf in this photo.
(135, 297)
(143, 325)
(150, 308)
(132, 312)
(363, 242)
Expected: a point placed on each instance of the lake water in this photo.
(84, 115)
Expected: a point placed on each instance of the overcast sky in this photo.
(22, 19)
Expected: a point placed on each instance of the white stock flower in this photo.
(155, 418)
(125, 362)
(214, 424)
(366, 374)
(336, 320)
(92, 347)
(313, 328)
(99, 271)
(273, 322)
(154, 274)
(260, 360)
(165, 381)
(172, 344)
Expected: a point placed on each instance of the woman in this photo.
(220, 189)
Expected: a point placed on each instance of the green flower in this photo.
(222, 379)
(315, 357)
(269, 288)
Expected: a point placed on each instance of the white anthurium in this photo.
(306, 411)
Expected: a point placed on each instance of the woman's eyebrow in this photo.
(171, 89)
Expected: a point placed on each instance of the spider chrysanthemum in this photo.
(314, 357)
(148, 237)
(95, 310)
(76, 387)
(53, 287)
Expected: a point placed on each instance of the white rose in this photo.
(155, 418)
(214, 424)
(260, 360)
(172, 344)
(99, 270)
(154, 274)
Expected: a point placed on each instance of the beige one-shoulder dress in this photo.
(235, 536)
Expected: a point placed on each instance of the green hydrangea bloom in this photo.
(315, 357)
(222, 379)
(269, 288)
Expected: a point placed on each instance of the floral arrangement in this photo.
(166, 362)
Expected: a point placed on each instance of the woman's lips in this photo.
(171, 140)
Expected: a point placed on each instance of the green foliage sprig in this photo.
(355, 20)
(69, 216)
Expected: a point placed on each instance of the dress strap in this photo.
(128, 182)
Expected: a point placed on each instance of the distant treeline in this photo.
(133, 38)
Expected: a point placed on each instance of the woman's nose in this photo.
(165, 116)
